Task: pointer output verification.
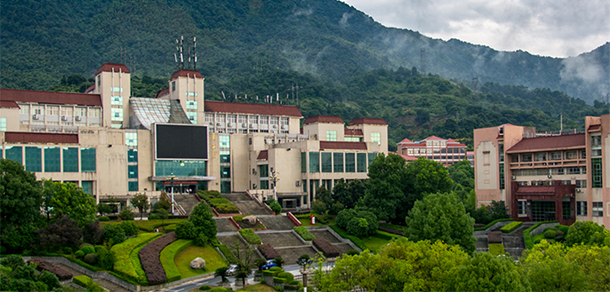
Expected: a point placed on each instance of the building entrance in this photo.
(543, 210)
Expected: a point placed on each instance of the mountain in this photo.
(41, 40)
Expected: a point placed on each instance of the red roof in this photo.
(8, 103)
(26, 137)
(406, 157)
(433, 138)
(252, 108)
(342, 145)
(352, 132)
(263, 155)
(536, 189)
(50, 97)
(324, 119)
(367, 121)
(185, 73)
(108, 67)
(405, 140)
(593, 128)
(549, 143)
(90, 88)
(162, 92)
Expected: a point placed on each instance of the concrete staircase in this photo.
(514, 243)
(187, 201)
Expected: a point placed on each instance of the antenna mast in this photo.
(184, 59)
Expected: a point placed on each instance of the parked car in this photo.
(231, 270)
(270, 264)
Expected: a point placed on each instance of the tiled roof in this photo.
(406, 157)
(342, 145)
(109, 66)
(8, 103)
(352, 132)
(323, 119)
(252, 108)
(536, 189)
(263, 155)
(162, 92)
(433, 138)
(593, 128)
(27, 137)
(185, 73)
(405, 140)
(90, 88)
(367, 121)
(50, 97)
(548, 143)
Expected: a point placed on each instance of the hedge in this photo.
(268, 251)
(329, 250)
(273, 272)
(391, 230)
(228, 254)
(511, 227)
(124, 262)
(496, 248)
(527, 237)
(288, 276)
(167, 258)
(357, 241)
(223, 205)
(150, 258)
(58, 271)
(249, 235)
(492, 223)
(304, 233)
(81, 280)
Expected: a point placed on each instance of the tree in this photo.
(222, 273)
(276, 207)
(20, 203)
(359, 223)
(70, 200)
(441, 217)
(202, 219)
(259, 263)
(279, 261)
(140, 201)
(498, 210)
(349, 193)
(186, 230)
(244, 261)
(384, 192)
(582, 232)
(104, 208)
(113, 234)
(126, 213)
(64, 232)
(486, 272)
(424, 177)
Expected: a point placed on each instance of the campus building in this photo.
(113, 144)
(546, 176)
(445, 151)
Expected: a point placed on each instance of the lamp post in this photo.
(274, 178)
(171, 178)
(303, 262)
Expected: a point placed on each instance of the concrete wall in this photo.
(319, 130)
(12, 118)
(107, 81)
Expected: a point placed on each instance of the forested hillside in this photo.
(41, 40)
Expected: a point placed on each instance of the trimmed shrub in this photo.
(85, 244)
(304, 233)
(150, 259)
(279, 288)
(79, 254)
(98, 247)
(205, 288)
(104, 218)
(550, 234)
(527, 237)
(67, 250)
(496, 248)
(329, 250)
(171, 227)
(126, 214)
(249, 235)
(81, 280)
(186, 230)
(201, 239)
(91, 259)
(130, 228)
(114, 233)
(167, 258)
(276, 207)
(126, 259)
(357, 241)
(218, 289)
(288, 276)
(263, 281)
(88, 249)
(208, 195)
(492, 223)
(563, 228)
(279, 280)
(511, 227)
(105, 258)
(268, 251)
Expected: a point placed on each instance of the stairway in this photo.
(187, 201)
(514, 243)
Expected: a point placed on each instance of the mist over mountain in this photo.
(42, 40)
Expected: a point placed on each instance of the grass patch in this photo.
(249, 235)
(510, 227)
(394, 226)
(496, 248)
(146, 225)
(304, 233)
(492, 223)
(375, 242)
(359, 243)
(213, 260)
(167, 258)
(125, 261)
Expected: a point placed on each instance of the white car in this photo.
(231, 270)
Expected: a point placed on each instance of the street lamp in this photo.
(274, 178)
(171, 178)
(304, 261)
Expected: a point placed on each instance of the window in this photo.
(583, 154)
(581, 183)
(52, 110)
(87, 156)
(350, 162)
(263, 170)
(331, 135)
(225, 156)
(131, 139)
(132, 155)
(376, 137)
(180, 168)
(596, 145)
(540, 156)
(132, 185)
(372, 158)
(514, 158)
(70, 159)
(303, 162)
(264, 184)
(225, 141)
(327, 163)
(351, 139)
(116, 100)
(597, 173)
(14, 153)
(33, 159)
(338, 162)
(526, 157)
(87, 187)
(116, 89)
(361, 162)
(52, 160)
(522, 207)
(598, 209)
(314, 162)
(173, 85)
(225, 172)
(502, 182)
(571, 154)
(501, 152)
(2, 124)
(581, 208)
(555, 155)
(132, 171)
(117, 114)
(192, 117)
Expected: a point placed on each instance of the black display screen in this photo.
(177, 141)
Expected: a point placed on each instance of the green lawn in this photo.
(541, 237)
(374, 243)
(250, 288)
(146, 225)
(307, 222)
(496, 248)
(213, 260)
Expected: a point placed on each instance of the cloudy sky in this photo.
(557, 28)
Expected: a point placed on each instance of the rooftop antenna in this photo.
(195, 53)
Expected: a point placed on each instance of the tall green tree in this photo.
(20, 202)
(140, 201)
(424, 177)
(441, 217)
(348, 193)
(486, 272)
(586, 232)
(70, 200)
(202, 218)
(384, 193)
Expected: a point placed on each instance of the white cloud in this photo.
(558, 28)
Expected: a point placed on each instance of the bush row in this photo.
(223, 205)
(122, 252)
(268, 251)
(82, 280)
(150, 259)
(391, 230)
(496, 248)
(250, 236)
(492, 223)
(357, 241)
(273, 272)
(228, 254)
(329, 250)
(58, 271)
(167, 258)
(304, 233)
(511, 227)
(527, 237)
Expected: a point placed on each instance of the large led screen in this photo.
(177, 141)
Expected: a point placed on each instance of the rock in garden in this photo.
(197, 264)
(250, 220)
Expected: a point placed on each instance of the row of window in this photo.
(56, 159)
(551, 171)
(596, 211)
(550, 156)
(417, 151)
(179, 168)
(579, 183)
(336, 161)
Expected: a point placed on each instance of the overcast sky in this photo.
(557, 28)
